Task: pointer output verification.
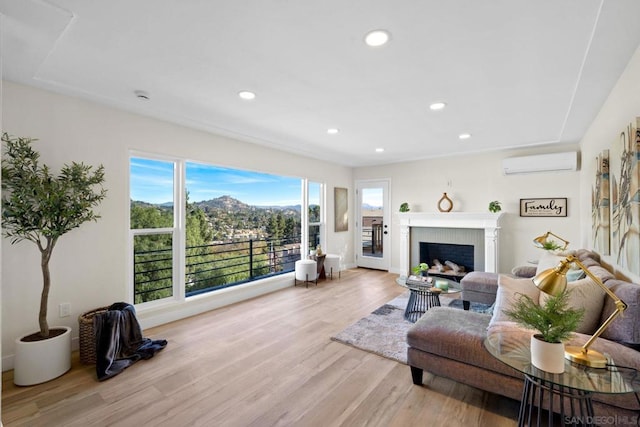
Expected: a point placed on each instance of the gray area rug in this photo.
(384, 331)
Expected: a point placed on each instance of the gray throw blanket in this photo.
(119, 340)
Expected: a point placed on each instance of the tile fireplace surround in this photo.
(489, 222)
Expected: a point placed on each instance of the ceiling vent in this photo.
(555, 162)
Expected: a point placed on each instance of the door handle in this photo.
(386, 232)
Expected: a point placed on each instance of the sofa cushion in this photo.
(584, 293)
(586, 256)
(479, 281)
(626, 328)
(510, 289)
(455, 334)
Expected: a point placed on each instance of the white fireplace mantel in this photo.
(489, 222)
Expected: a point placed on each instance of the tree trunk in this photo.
(46, 284)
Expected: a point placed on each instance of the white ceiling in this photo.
(514, 73)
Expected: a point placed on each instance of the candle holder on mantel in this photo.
(445, 204)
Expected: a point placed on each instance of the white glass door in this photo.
(373, 225)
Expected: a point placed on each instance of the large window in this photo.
(197, 227)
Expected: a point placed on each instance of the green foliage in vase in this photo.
(404, 207)
(495, 206)
(554, 320)
(418, 269)
(550, 245)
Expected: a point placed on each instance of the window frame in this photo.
(177, 232)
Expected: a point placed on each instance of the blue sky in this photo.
(152, 181)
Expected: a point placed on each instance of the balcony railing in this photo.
(213, 266)
(372, 239)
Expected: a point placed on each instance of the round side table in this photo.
(568, 394)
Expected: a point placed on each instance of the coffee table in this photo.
(573, 388)
(423, 295)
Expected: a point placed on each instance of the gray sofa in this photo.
(449, 342)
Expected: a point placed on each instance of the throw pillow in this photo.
(573, 275)
(524, 271)
(510, 289)
(584, 293)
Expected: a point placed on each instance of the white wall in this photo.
(89, 265)
(474, 181)
(621, 107)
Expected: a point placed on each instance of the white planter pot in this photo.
(40, 361)
(547, 356)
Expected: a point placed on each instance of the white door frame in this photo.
(363, 260)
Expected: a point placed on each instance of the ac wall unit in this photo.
(555, 162)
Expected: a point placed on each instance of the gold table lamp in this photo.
(541, 241)
(553, 281)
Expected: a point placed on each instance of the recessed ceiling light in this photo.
(332, 131)
(379, 150)
(437, 105)
(464, 136)
(245, 94)
(376, 38)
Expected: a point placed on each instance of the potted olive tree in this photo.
(39, 207)
(554, 320)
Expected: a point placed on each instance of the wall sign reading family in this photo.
(543, 207)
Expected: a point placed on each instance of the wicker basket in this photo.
(87, 338)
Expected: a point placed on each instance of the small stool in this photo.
(331, 264)
(479, 286)
(306, 271)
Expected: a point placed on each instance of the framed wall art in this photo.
(341, 209)
(550, 207)
(625, 198)
(600, 206)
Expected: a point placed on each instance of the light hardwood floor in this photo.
(263, 362)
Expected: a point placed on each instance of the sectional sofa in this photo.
(449, 342)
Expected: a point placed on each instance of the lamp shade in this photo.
(554, 280)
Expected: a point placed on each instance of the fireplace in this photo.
(463, 228)
(462, 255)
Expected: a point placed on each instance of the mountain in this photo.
(368, 207)
(226, 203)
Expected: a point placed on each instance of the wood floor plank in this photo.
(268, 361)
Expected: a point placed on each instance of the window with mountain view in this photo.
(239, 226)
(152, 228)
(252, 221)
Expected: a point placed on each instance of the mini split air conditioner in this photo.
(555, 162)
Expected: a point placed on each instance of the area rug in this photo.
(384, 331)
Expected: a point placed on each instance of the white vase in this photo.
(548, 356)
(40, 361)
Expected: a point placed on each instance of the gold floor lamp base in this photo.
(590, 358)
